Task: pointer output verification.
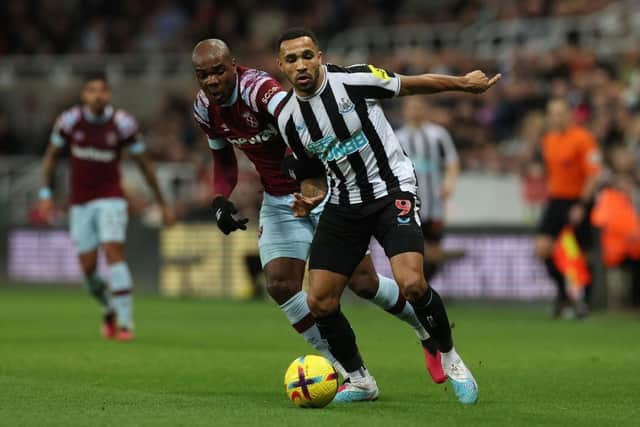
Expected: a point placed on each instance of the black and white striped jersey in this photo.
(431, 150)
(344, 126)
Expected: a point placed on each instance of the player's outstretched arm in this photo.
(143, 162)
(423, 84)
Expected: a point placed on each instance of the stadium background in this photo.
(583, 51)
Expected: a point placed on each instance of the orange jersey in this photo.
(570, 157)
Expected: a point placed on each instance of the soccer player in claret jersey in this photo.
(332, 114)
(96, 134)
(234, 108)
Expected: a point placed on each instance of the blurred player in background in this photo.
(434, 157)
(96, 134)
(235, 108)
(333, 115)
(572, 160)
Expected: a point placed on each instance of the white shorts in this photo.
(98, 221)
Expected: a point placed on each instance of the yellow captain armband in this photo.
(379, 72)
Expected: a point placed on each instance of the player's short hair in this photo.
(96, 75)
(296, 32)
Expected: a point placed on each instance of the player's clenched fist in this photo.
(227, 216)
(478, 82)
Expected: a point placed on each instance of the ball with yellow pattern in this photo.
(311, 382)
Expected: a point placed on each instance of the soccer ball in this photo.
(311, 382)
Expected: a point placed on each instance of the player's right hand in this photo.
(303, 205)
(45, 209)
(227, 216)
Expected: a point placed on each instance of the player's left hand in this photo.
(576, 214)
(478, 82)
(303, 205)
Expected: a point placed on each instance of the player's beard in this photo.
(310, 85)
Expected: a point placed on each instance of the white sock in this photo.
(450, 357)
(358, 375)
(299, 315)
(387, 297)
(121, 298)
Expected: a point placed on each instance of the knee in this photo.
(113, 252)
(281, 289)
(364, 284)
(323, 305)
(413, 285)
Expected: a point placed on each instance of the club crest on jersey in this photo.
(345, 106)
(250, 119)
(300, 127)
(111, 139)
(78, 135)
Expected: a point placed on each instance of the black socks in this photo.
(557, 277)
(430, 311)
(335, 328)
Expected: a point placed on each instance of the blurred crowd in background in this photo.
(496, 133)
(130, 26)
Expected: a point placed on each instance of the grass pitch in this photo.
(219, 363)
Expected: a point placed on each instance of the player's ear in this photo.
(233, 61)
(320, 55)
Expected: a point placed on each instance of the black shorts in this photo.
(432, 230)
(344, 233)
(556, 216)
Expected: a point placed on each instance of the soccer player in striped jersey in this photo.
(96, 134)
(332, 115)
(434, 157)
(234, 108)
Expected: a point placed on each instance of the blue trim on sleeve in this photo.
(275, 101)
(57, 140)
(217, 143)
(137, 147)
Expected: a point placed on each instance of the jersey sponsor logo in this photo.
(93, 154)
(258, 138)
(330, 148)
(267, 96)
(345, 106)
(379, 72)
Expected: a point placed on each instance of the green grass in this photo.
(221, 363)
